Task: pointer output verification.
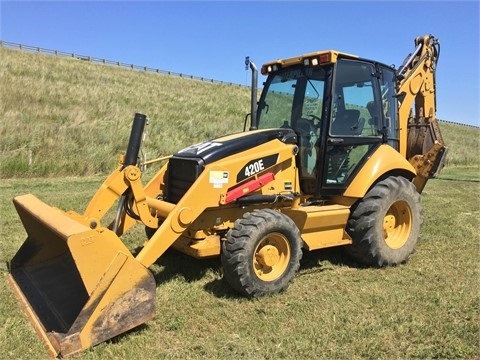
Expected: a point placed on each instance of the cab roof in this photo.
(324, 56)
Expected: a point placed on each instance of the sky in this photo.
(211, 39)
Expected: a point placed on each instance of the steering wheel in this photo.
(305, 126)
(314, 117)
(307, 139)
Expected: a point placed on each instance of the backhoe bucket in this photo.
(79, 286)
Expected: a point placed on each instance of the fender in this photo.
(385, 159)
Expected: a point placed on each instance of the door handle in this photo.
(335, 141)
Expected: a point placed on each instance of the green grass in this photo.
(63, 116)
(335, 309)
(66, 117)
(463, 144)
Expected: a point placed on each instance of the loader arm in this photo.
(125, 184)
(422, 144)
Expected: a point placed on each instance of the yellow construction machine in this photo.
(338, 150)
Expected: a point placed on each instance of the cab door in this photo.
(355, 124)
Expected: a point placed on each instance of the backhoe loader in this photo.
(338, 151)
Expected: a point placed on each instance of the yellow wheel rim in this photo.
(397, 224)
(271, 257)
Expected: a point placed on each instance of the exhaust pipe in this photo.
(253, 97)
(135, 141)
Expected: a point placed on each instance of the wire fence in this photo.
(457, 123)
(39, 50)
(36, 49)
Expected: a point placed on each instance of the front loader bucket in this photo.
(79, 286)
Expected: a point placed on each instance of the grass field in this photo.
(335, 309)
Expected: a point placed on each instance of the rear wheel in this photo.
(262, 253)
(385, 224)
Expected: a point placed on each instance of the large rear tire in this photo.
(385, 224)
(261, 253)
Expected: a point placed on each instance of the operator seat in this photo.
(348, 123)
(372, 109)
(374, 120)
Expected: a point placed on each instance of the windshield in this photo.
(290, 95)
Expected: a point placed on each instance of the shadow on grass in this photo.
(136, 330)
(174, 264)
(453, 179)
(323, 260)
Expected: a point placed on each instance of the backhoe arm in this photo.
(422, 144)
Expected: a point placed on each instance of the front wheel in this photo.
(261, 253)
(385, 224)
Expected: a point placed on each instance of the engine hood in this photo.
(215, 149)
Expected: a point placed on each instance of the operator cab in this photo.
(341, 107)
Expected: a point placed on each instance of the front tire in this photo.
(261, 253)
(385, 224)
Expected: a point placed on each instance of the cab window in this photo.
(354, 99)
(389, 106)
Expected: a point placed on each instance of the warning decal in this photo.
(218, 178)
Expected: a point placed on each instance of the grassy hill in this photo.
(70, 117)
(63, 117)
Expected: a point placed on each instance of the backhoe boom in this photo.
(422, 144)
